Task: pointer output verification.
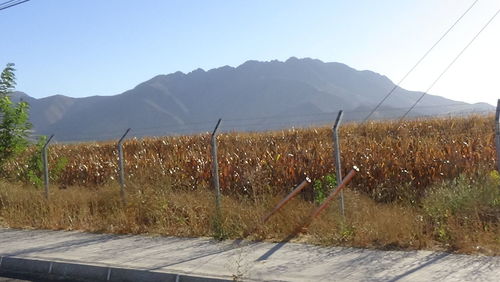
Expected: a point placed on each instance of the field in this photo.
(416, 154)
(423, 184)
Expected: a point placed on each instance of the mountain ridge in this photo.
(173, 103)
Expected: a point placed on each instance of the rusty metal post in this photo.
(497, 133)
(311, 217)
(120, 167)
(282, 203)
(46, 167)
(290, 196)
(336, 151)
(326, 202)
(215, 168)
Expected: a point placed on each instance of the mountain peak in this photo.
(249, 63)
(197, 71)
(303, 60)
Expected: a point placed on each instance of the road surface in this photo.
(145, 258)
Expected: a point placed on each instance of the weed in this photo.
(218, 228)
(346, 232)
(323, 186)
(33, 171)
(460, 210)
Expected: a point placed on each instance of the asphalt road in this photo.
(6, 279)
(25, 278)
(18, 278)
(9, 279)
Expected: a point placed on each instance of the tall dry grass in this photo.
(166, 211)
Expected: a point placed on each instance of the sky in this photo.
(94, 47)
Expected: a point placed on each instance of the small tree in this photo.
(14, 125)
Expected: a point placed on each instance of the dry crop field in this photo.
(423, 184)
(415, 154)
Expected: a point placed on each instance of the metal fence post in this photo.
(215, 168)
(497, 133)
(120, 167)
(336, 150)
(46, 167)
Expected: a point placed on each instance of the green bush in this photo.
(14, 118)
(33, 173)
(34, 168)
(323, 186)
(465, 200)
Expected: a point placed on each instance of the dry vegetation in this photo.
(161, 210)
(426, 184)
(416, 154)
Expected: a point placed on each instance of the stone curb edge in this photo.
(65, 270)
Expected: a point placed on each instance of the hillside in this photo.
(294, 92)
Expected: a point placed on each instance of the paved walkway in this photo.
(204, 257)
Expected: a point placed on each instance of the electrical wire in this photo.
(450, 65)
(9, 4)
(418, 62)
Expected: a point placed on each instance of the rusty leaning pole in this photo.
(314, 214)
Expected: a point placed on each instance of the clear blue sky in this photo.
(95, 47)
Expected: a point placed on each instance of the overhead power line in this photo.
(11, 3)
(451, 64)
(8, 2)
(418, 62)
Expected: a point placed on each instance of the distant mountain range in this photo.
(253, 96)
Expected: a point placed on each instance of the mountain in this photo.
(253, 96)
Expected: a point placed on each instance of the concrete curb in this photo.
(78, 271)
